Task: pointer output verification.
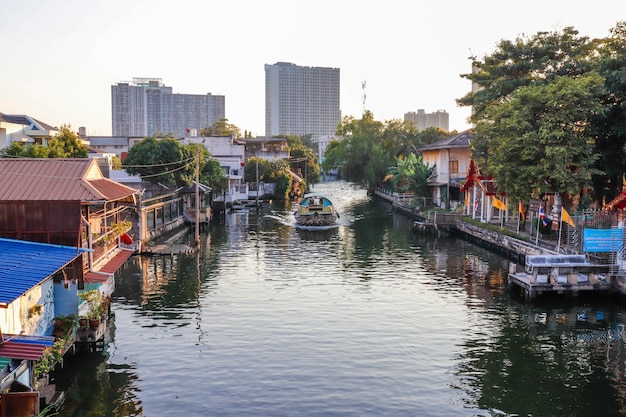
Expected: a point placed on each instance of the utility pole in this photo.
(256, 158)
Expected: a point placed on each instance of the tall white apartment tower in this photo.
(301, 100)
(145, 107)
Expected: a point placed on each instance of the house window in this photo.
(454, 167)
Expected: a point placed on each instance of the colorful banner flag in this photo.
(521, 210)
(542, 216)
(499, 204)
(567, 218)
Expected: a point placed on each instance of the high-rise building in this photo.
(301, 100)
(423, 120)
(145, 107)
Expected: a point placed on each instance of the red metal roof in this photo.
(24, 346)
(21, 350)
(109, 268)
(58, 179)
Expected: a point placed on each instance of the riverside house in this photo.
(62, 232)
(66, 202)
(451, 157)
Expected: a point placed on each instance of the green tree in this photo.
(283, 185)
(510, 77)
(432, 134)
(369, 147)
(359, 157)
(67, 144)
(539, 141)
(410, 174)
(268, 169)
(303, 157)
(221, 128)
(168, 162)
(13, 150)
(400, 138)
(160, 161)
(211, 172)
(610, 127)
(527, 61)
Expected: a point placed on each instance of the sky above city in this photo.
(60, 57)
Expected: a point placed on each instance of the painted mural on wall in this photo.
(37, 309)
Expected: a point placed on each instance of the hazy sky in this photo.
(60, 57)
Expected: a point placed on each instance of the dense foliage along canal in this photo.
(366, 319)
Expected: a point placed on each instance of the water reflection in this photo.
(363, 319)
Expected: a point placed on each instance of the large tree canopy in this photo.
(370, 147)
(539, 141)
(168, 162)
(221, 128)
(549, 113)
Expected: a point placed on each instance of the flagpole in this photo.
(538, 227)
(558, 245)
(519, 215)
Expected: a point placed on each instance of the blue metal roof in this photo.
(23, 265)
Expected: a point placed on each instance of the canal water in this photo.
(364, 319)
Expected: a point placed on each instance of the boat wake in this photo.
(279, 219)
(291, 222)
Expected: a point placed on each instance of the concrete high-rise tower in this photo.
(301, 100)
(423, 120)
(145, 107)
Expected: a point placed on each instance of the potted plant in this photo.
(94, 301)
(63, 324)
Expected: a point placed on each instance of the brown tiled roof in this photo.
(27, 179)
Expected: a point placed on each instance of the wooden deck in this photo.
(91, 339)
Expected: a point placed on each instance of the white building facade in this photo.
(301, 100)
(146, 107)
(24, 129)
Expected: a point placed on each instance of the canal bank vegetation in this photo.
(371, 150)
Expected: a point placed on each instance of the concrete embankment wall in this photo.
(512, 248)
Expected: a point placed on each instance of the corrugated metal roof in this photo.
(24, 265)
(109, 268)
(58, 179)
(459, 140)
(25, 347)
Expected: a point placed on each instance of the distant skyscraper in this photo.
(145, 107)
(301, 100)
(423, 120)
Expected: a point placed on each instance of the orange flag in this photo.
(521, 210)
(498, 204)
(567, 218)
